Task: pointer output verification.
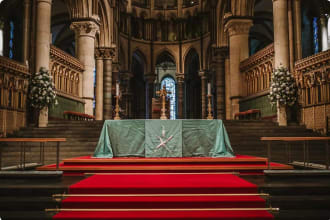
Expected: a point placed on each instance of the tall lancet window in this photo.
(169, 83)
(11, 39)
(316, 35)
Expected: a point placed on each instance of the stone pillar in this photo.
(150, 84)
(180, 83)
(26, 30)
(107, 84)
(219, 67)
(324, 32)
(43, 46)
(85, 38)
(238, 29)
(281, 46)
(99, 85)
(202, 74)
(297, 28)
(126, 95)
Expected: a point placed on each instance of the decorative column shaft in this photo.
(108, 54)
(239, 50)
(281, 46)
(85, 38)
(26, 30)
(219, 67)
(297, 28)
(43, 46)
(202, 74)
(180, 83)
(324, 32)
(99, 85)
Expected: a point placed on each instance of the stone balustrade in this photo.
(257, 70)
(66, 71)
(14, 79)
(313, 79)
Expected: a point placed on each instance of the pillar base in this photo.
(281, 115)
(43, 118)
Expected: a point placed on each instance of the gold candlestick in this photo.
(162, 93)
(209, 108)
(117, 117)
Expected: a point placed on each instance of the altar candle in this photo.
(117, 88)
(209, 88)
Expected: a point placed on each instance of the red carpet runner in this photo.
(133, 196)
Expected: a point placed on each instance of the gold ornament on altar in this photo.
(117, 117)
(209, 105)
(163, 93)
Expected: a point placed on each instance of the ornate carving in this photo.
(62, 57)
(85, 28)
(238, 26)
(105, 53)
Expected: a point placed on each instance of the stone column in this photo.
(107, 83)
(150, 83)
(126, 95)
(281, 46)
(297, 28)
(99, 85)
(85, 38)
(26, 30)
(180, 83)
(324, 32)
(43, 46)
(202, 74)
(238, 29)
(219, 67)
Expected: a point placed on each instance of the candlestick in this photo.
(209, 108)
(209, 89)
(117, 117)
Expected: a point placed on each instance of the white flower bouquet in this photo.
(283, 89)
(42, 90)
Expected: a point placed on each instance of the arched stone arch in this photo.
(140, 56)
(190, 50)
(170, 53)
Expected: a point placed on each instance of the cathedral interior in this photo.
(110, 59)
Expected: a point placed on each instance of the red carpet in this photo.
(138, 192)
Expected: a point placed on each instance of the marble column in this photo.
(150, 84)
(180, 83)
(203, 76)
(43, 46)
(238, 29)
(107, 83)
(281, 46)
(219, 67)
(99, 85)
(324, 32)
(85, 39)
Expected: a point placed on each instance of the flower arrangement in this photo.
(283, 89)
(42, 90)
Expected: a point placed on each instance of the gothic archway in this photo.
(192, 96)
(138, 86)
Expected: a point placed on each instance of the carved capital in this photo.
(238, 26)
(85, 28)
(180, 78)
(104, 53)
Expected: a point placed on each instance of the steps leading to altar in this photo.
(163, 196)
(239, 163)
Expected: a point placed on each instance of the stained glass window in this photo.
(11, 40)
(170, 87)
(315, 35)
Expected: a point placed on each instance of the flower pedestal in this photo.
(281, 115)
(43, 118)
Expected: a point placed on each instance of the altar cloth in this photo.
(163, 138)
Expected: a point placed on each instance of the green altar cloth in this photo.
(163, 138)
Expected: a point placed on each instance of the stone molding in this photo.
(65, 58)
(9, 65)
(312, 62)
(238, 26)
(87, 28)
(257, 58)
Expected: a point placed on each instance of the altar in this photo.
(163, 138)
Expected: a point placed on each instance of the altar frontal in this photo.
(163, 138)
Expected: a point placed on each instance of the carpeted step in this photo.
(162, 183)
(239, 201)
(170, 215)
